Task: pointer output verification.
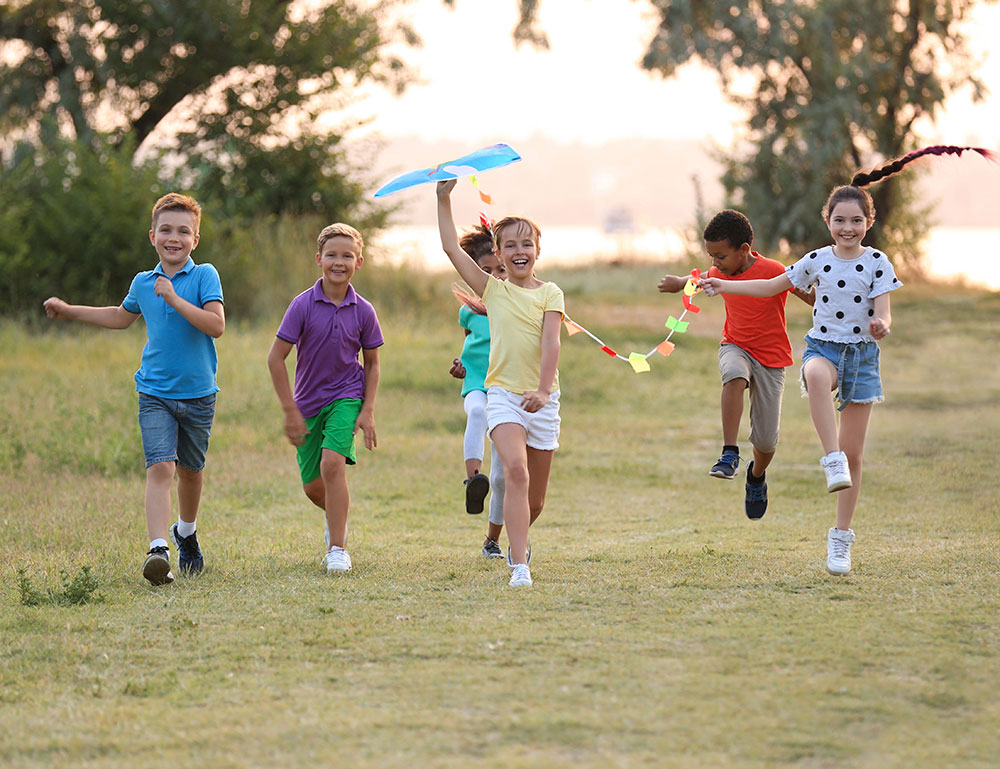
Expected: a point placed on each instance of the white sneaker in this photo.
(521, 576)
(838, 471)
(337, 559)
(838, 551)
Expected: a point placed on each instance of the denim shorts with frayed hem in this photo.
(857, 364)
(176, 430)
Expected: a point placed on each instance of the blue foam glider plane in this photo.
(488, 158)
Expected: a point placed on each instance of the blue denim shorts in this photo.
(176, 430)
(858, 377)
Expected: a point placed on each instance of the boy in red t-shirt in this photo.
(754, 353)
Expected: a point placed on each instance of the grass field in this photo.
(663, 629)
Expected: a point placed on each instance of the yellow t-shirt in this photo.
(516, 316)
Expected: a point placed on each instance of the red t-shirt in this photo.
(754, 323)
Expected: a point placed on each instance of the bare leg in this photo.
(473, 466)
(333, 471)
(732, 410)
(761, 460)
(509, 439)
(821, 379)
(189, 486)
(539, 468)
(853, 429)
(159, 479)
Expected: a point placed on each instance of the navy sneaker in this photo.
(756, 499)
(491, 549)
(189, 560)
(157, 566)
(725, 468)
(476, 489)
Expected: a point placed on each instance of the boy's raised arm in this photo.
(465, 264)
(105, 317)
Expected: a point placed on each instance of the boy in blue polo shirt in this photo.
(182, 305)
(329, 324)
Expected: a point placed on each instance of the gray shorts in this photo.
(767, 386)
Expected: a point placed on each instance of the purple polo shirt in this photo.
(328, 338)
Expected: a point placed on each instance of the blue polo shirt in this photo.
(178, 361)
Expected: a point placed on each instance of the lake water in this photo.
(968, 255)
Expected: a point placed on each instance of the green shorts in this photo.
(332, 428)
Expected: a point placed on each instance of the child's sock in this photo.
(186, 529)
(734, 449)
(158, 543)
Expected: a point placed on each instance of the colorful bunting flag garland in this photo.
(638, 361)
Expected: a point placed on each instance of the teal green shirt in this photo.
(476, 350)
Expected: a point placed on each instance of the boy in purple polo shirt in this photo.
(181, 303)
(334, 397)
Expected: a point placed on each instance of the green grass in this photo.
(663, 629)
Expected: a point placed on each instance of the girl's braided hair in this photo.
(863, 179)
(855, 190)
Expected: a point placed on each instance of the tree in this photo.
(221, 84)
(839, 86)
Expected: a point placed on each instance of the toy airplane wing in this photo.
(486, 159)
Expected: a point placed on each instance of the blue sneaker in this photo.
(189, 560)
(756, 498)
(725, 468)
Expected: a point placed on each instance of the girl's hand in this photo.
(878, 328)
(457, 370)
(444, 188)
(533, 400)
(712, 286)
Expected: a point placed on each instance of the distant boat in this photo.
(619, 220)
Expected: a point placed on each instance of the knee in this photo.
(161, 472)
(332, 467)
(516, 475)
(316, 491)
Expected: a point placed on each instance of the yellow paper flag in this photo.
(638, 361)
(690, 288)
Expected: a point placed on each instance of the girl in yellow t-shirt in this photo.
(522, 398)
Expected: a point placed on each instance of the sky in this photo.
(588, 87)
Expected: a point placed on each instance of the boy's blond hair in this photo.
(174, 201)
(339, 228)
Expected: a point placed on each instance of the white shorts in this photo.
(541, 427)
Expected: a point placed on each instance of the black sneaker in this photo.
(476, 489)
(725, 468)
(189, 560)
(157, 567)
(492, 550)
(756, 499)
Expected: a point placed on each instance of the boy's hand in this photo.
(366, 423)
(295, 428)
(671, 284)
(55, 307)
(444, 188)
(457, 370)
(164, 288)
(533, 400)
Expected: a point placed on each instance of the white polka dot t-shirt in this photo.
(845, 289)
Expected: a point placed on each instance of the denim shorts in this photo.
(857, 364)
(541, 427)
(176, 430)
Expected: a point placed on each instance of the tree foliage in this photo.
(837, 86)
(220, 84)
